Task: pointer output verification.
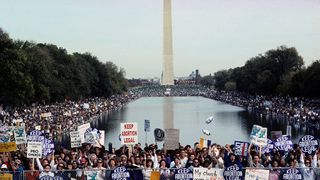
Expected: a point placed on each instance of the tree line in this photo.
(279, 71)
(35, 72)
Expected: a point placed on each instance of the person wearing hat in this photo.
(4, 167)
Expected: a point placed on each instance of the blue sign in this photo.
(241, 148)
(267, 148)
(233, 173)
(283, 143)
(120, 173)
(308, 144)
(47, 147)
(47, 177)
(292, 174)
(146, 125)
(183, 174)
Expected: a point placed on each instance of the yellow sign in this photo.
(155, 175)
(6, 177)
(8, 147)
(201, 143)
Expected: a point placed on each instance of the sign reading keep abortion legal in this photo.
(129, 133)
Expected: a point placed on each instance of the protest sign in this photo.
(4, 137)
(267, 148)
(46, 115)
(146, 125)
(202, 143)
(183, 174)
(92, 135)
(91, 175)
(155, 175)
(6, 176)
(34, 150)
(8, 147)
(308, 144)
(283, 143)
(254, 174)
(292, 174)
(48, 147)
(232, 173)
(120, 173)
(82, 129)
(172, 139)
(207, 174)
(75, 139)
(258, 135)
(86, 106)
(159, 134)
(20, 135)
(241, 148)
(129, 133)
(275, 135)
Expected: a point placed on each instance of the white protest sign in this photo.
(129, 133)
(75, 139)
(20, 135)
(82, 129)
(172, 137)
(254, 174)
(258, 135)
(207, 174)
(34, 150)
(45, 115)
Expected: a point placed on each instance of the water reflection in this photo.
(168, 113)
(188, 114)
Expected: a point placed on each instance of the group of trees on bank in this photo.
(279, 71)
(36, 72)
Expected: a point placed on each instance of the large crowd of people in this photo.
(80, 163)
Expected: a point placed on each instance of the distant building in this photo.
(193, 78)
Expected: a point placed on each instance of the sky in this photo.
(209, 35)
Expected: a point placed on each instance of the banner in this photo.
(129, 133)
(20, 135)
(292, 174)
(207, 174)
(120, 173)
(8, 147)
(254, 174)
(172, 138)
(232, 173)
(82, 129)
(241, 148)
(146, 125)
(183, 174)
(75, 139)
(159, 134)
(258, 135)
(34, 150)
(283, 143)
(6, 176)
(308, 144)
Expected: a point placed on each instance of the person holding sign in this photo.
(255, 159)
(307, 166)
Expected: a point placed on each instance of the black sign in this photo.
(159, 134)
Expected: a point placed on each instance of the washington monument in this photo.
(167, 68)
